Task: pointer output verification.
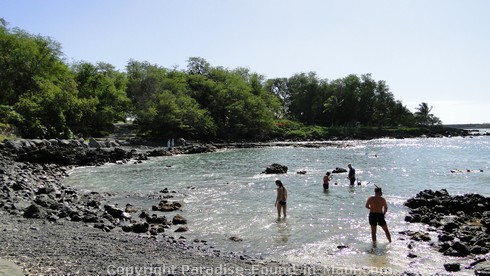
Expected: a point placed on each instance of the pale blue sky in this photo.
(434, 51)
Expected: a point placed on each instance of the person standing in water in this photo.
(326, 180)
(282, 195)
(378, 208)
(352, 175)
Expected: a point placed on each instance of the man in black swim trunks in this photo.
(378, 208)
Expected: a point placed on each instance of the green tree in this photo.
(102, 94)
(197, 66)
(424, 117)
(36, 82)
(279, 88)
(50, 112)
(306, 103)
(237, 109)
(164, 104)
(24, 59)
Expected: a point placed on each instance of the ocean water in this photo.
(226, 194)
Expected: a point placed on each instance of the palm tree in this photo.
(424, 117)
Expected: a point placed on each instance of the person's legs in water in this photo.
(387, 232)
(373, 233)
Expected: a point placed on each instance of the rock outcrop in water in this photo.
(463, 221)
(276, 169)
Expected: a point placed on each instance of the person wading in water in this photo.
(326, 180)
(378, 208)
(282, 195)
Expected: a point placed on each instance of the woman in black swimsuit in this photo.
(282, 195)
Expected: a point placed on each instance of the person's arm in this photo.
(368, 206)
(277, 197)
(285, 194)
(385, 206)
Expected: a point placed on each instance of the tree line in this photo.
(43, 96)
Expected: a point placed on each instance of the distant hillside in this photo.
(470, 126)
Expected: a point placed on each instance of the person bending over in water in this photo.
(378, 208)
(282, 195)
(326, 180)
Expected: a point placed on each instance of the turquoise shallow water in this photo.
(225, 194)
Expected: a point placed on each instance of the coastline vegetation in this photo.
(44, 96)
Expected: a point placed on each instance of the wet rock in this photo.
(457, 249)
(155, 219)
(419, 236)
(412, 255)
(144, 214)
(445, 237)
(339, 170)
(178, 219)
(116, 212)
(477, 249)
(276, 169)
(130, 209)
(452, 267)
(235, 239)
(462, 220)
(483, 268)
(165, 206)
(182, 229)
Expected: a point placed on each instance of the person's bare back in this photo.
(377, 209)
(377, 204)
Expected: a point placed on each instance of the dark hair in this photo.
(278, 182)
(378, 190)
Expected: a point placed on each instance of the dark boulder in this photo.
(452, 267)
(156, 219)
(339, 170)
(116, 212)
(182, 229)
(35, 211)
(141, 227)
(276, 169)
(165, 206)
(178, 219)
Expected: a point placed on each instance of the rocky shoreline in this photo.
(462, 224)
(51, 229)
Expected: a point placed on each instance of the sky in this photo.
(433, 51)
